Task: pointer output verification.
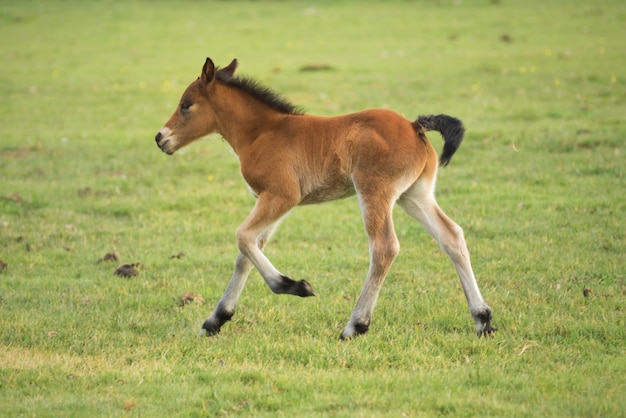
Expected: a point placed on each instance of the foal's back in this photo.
(328, 153)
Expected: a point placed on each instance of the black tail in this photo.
(450, 128)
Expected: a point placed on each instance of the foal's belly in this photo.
(326, 194)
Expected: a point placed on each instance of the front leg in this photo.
(252, 236)
(266, 214)
(225, 308)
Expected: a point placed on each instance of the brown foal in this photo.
(289, 158)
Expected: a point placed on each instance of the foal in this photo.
(288, 158)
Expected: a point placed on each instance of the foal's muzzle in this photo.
(162, 144)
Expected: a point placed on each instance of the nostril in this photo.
(158, 137)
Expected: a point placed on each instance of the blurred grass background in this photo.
(538, 186)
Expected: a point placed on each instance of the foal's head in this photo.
(194, 116)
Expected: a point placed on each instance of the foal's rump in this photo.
(393, 133)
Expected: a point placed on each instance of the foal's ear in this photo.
(208, 72)
(229, 70)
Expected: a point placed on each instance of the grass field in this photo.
(538, 186)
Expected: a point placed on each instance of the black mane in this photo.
(260, 93)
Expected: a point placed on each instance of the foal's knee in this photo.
(244, 241)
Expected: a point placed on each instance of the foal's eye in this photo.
(184, 106)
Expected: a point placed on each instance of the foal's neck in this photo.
(241, 119)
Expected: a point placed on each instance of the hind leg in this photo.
(384, 247)
(419, 202)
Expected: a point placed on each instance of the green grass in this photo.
(538, 186)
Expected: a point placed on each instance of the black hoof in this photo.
(487, 330)
(209, 328)
(359, 329)
(304, 289)
(213, 325)
(292, 287)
